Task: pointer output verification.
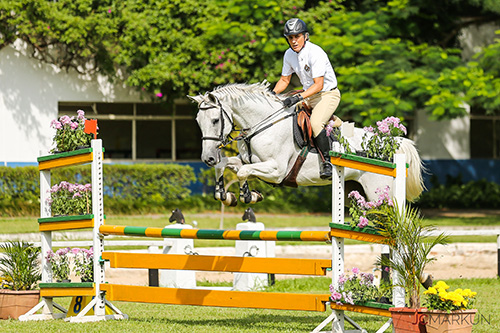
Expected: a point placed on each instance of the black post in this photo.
(153, 278)
(271, 279)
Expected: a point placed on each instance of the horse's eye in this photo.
(215, 121)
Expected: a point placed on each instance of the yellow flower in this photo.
(442, 285)
(430, 291)
(469, 293)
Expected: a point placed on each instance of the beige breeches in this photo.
(323, 106)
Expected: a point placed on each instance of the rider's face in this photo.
(296, 41)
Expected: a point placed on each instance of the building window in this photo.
(143, 131)
(484, 135)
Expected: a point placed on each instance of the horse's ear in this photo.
(197, 99)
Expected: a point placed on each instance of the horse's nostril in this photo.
(210, 161)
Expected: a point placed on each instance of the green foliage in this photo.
(70, 199)
(391, 57)
(19, 265)
(127, 188)
(455, 194)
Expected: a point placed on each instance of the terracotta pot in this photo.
(15, 303)
(407, 320)
(456, 321)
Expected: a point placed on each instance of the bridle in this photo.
(224, 140)
(244, 133)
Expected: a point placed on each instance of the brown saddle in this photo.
(303, 136)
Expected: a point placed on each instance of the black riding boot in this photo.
(323, 145)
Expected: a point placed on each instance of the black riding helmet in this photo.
(294, 26)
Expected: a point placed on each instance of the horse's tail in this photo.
(414, 181)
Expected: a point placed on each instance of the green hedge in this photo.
(455, 194)
(159, 188)
(137, 188)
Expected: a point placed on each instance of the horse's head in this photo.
(216, 123)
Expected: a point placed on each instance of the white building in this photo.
(134, 129)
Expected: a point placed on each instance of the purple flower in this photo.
(74, 125)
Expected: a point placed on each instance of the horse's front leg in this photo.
(247, 196)
(220, 194)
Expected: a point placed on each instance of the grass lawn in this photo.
(212, 221)
(175, 318)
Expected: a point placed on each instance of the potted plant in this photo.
(359, 288)
(411, 244)
(84, 264)
(59, 262)
(70, 133)
(19, 274)
(70, 199)
(448, 310)
(378, 142)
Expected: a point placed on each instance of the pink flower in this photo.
(253, 41)
(81, 114)
(65, 120)
(159, 95)
(363, 222)
(368, 129)
(74, 126)
(336, 296)
(109, 11)
(75, 250)
(355, 270)
(55, 124)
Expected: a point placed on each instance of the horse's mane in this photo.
(241, 90)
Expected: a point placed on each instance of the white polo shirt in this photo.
(311, 62)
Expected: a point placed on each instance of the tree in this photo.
(391, 57)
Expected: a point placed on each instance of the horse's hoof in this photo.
(231, 200)
(256, 196)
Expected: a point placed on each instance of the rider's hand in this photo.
(292, 100)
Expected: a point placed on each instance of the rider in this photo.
(311, 64)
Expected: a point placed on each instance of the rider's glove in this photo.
(292, 100)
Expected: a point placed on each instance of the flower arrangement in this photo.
(438, 298)
(59, 262)
(358, 287)
(338, 135)
(381, 142)
(84, 263)
(363, 212)
(70, 134)
(70, 199)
